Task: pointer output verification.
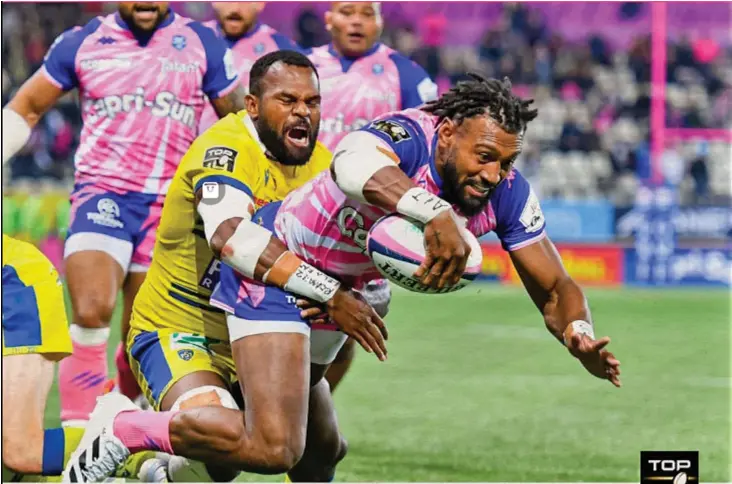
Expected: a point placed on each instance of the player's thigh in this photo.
(168, 360)
(97, 251)
(27, 380)
(273, 368)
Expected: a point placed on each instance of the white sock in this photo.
(88, 336)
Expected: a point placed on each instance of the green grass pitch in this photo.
(475, 389)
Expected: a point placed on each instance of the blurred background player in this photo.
(182, 349)
(237, 23)
(141, 74)
(361, 80)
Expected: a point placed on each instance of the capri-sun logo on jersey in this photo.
(107, 214)
(165, 105)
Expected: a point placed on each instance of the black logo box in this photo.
(664, 466)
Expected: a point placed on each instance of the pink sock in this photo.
(126, 381)
(80, 379)
(144, 430)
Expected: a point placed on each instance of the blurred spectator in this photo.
(700, 174)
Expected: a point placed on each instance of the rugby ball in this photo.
(395, 244)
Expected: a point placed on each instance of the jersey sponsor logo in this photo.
(179, 42)
(337, 124)
(107, 214)
(395, 131)
(532, 218)
(178, 67)
(220, 158)
(106, 40)
(427, 90)
(351, 224)
(165, 105)
(105, 64)
(229, 66)
(183, 341)
(185, 355)
(377, 69)
(259, 48)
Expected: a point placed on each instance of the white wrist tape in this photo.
(579, 327)
(421, 205)
(309, 282)
(15, 133)
(227, 202)
(245, 247)
(355, 161)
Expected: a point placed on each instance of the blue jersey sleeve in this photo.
(519, 219)
(221, 75)
(416, 86)
(284, 43)
(60, 61)
(405, 138)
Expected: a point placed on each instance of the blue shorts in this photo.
(123, 225)
(254, 308)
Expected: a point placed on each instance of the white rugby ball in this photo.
(395, 244)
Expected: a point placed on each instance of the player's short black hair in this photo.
(479, 95)
(262, 65)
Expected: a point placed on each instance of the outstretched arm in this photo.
(564, 307)
(232, 102)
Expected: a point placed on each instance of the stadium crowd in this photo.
(593, 101)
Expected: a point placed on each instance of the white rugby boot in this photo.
(100, 453)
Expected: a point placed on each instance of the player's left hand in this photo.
(597, 360)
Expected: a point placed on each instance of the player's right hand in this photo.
(350, 311)
(447, 252)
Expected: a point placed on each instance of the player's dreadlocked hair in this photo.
(480, 95)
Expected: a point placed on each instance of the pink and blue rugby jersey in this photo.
(328, 230)
(261, 40)
(356, 91)
(141, 98)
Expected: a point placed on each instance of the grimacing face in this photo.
(237, 18)
(475, 157)
(354, 26)
(143, 16)
(287, 115)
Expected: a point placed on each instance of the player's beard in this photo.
(454, 192)
(277, 147)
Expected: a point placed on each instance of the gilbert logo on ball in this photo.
(674, 467)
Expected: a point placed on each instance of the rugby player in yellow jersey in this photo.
(35, 335)
(180, 347)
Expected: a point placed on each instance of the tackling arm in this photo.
(22, 113)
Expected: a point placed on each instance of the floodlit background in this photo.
(631, 158)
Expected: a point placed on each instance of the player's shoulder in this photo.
(205, 31)
(321, 158)
(227, 131)
(74, 36)
(319, 53)
(514, 198)
(408, 124)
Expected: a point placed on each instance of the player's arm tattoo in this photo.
(557, 296)
(230, 103)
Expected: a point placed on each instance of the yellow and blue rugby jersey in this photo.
(184, 271)
(33, 312)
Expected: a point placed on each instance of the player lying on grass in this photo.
(448, 165)
(185, 357)
(35, 337)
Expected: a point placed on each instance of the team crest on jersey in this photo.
(377, 69)
(259, 48)
(179, 42)
(392, 129)
(185, 355)
(220, 158)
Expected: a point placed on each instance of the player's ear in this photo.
(328, 20)
(446, 132)
(252, 104)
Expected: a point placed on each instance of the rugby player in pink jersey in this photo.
(447, 165)
(361, 80)
(237, 24)
(142, 73)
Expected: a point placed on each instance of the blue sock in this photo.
(53, 452)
